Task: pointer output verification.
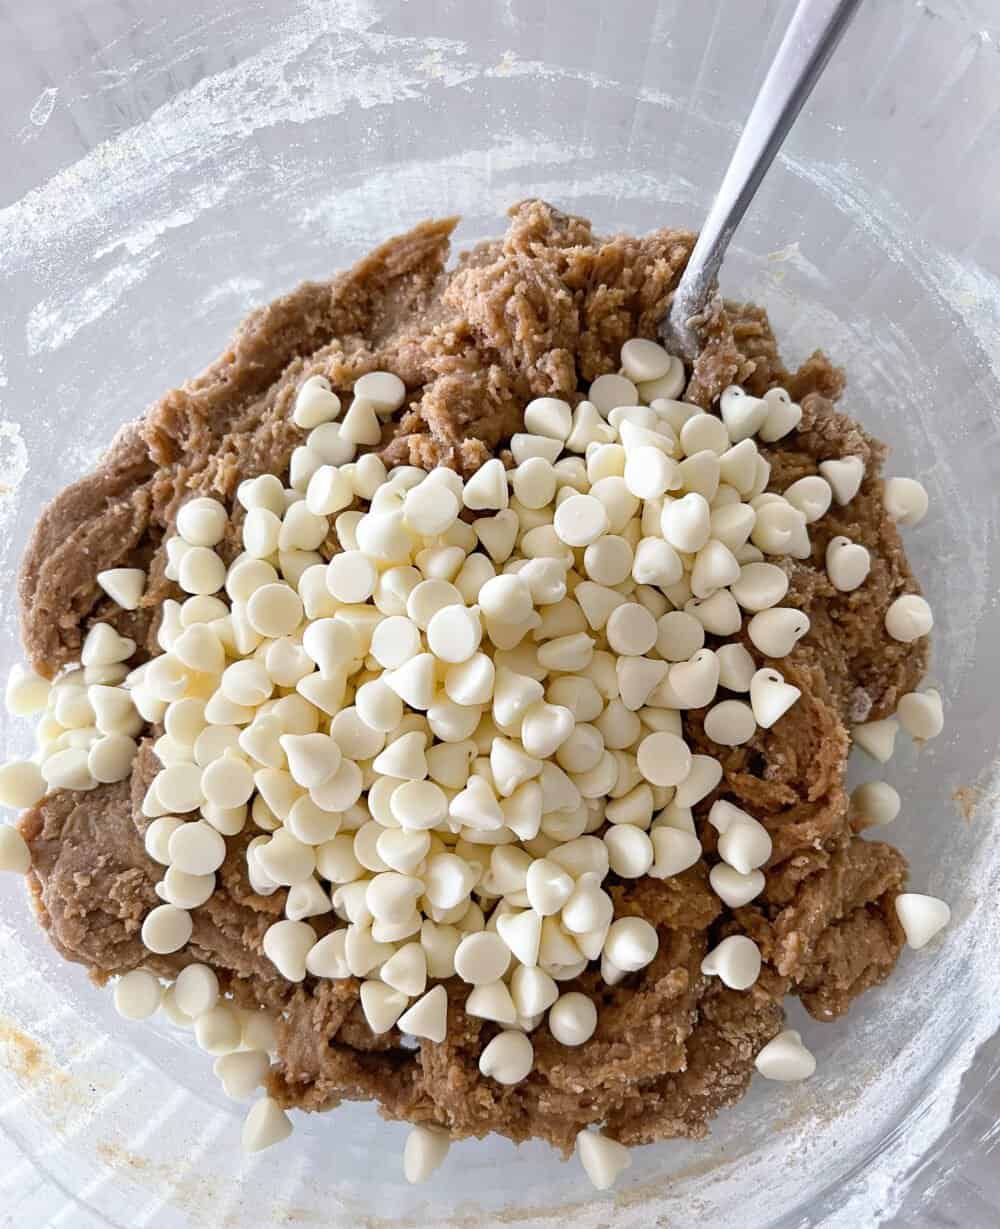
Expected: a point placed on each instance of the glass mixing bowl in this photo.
(166, 167)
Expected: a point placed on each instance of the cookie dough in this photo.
(537, 313)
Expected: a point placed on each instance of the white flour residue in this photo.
(307, 72)
(57, 320)
(41, 112)
(13, 465)
(147, 232)
(974, 296)
(971, 292)
(243, 289)
(479, 182)
(511, 65)
(792, 256)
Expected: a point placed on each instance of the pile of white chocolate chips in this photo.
(428, 730)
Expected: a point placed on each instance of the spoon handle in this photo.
(812, 35)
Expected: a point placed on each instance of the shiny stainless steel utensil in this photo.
(812, 35)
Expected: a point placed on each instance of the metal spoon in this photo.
(812, 35)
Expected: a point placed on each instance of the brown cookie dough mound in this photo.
(540, 312)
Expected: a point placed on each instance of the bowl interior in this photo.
(179, 173)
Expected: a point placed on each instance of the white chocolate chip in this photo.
(360, 425)
(631, 943)
(921, 917)
(664, 759)
(487, 488)
(261, 529)
(548, 887)
(67, 769)
(609, 391)
(715, 567)
(581, 520)
(812, 496)
(196, 848)
(382, 1006)
(878, 738)
(264, 491)
(184, 890)
(406, 971)
(631, 630)
(242, 1073)
(921, 715)
(125, 586)
(201, 571)
(908, 618)
(783, 416)
(315, 403)
(875, 802)
(202, 522)
(644, 361)
(383, 389)
(785, 1058)
(425, 1151)
(745, 845)
(522, 932)
(743, 414)
(771, 697)
(173, 1013)
(780, 529)
(15, 855)
(759, 586)
(137, 995)
(166, 929)
(604, 1160)
(905, 500)
(686, 522)
(328, 958)
(219, 1030)
(572, 1019)
(22, 784)
(549, 417)
(844, 476)
(674, 852)
(492, 1001)
(705, 775)
(735, 961)
(326, 445)
(669, 385)
(508, 1058)
(104, 646)
(693, 684)
(649, 473)
(630, 851)
(704, 432)
(266, 1124)
(736, 667)
(196, 989)
(428, 1016)
(731, 723)
(110, 758)
(734, 888)
(847, 564)
(286, 945)
(454, 633)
